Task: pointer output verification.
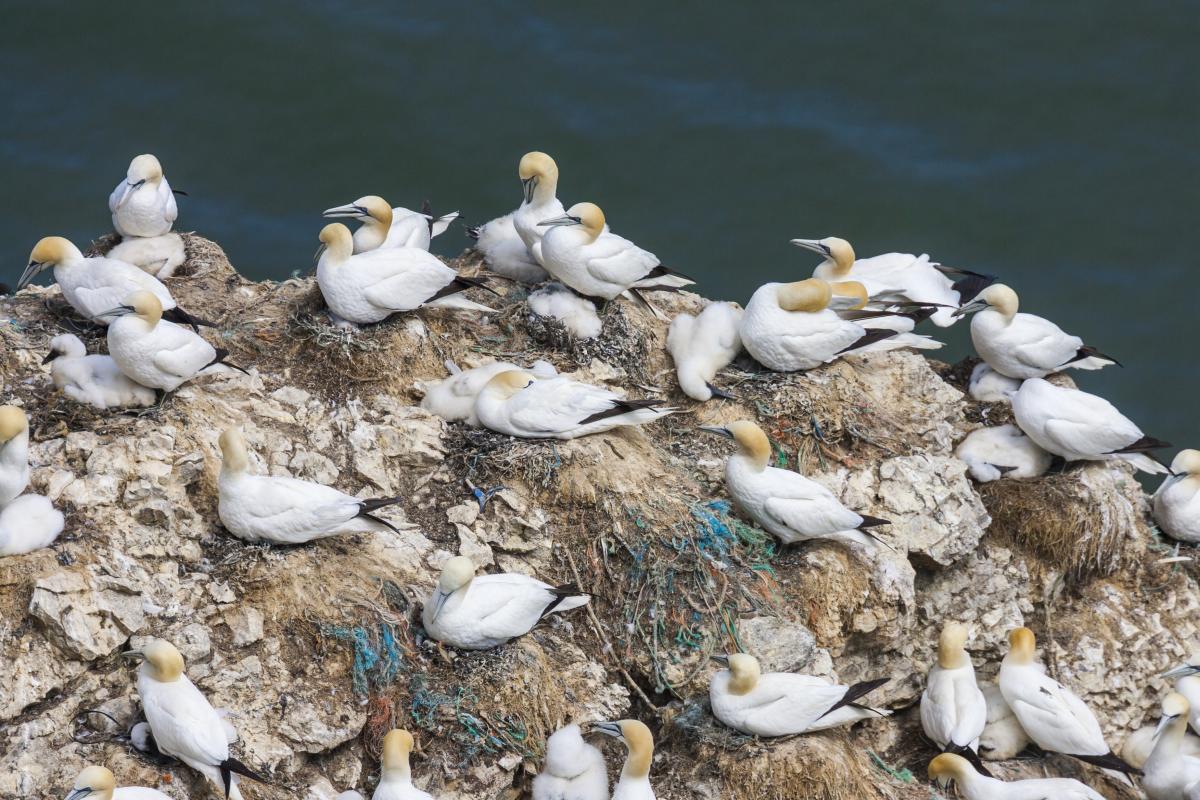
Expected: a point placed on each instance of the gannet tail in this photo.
(636, 296)
(220, 359)
(1109, 761)
(917, 341)
(1139, 454)
(873, 336)
(621, 406)
(856, 691)
(566, 597)
(1091, 358)
(970, 755)
(367, 506)
(230, 766)
(968, 284)
(663, 278)
(182, 317)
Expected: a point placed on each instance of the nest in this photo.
(485, 456)
(620, 343)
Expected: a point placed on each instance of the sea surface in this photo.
(1054, 144)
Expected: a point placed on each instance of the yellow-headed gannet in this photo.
(504, 252)
(988, 386)
(518, 404)
(574, 769)
(395, 782)
(143, 204)
(385, 227)
(371, 286)
(1187, 683)
(702, 346)
(1081, 427)
(539, 184)
(898, 277)
(1002, 737)
(98, 783)
(478, 613)
(850, 300)
(634, 783)
(783, 703)
(786, 503)
(28, 523)
(1001, 452)
(1177, 501)
(577, 314)
(1053, 716)
(260, 508)
(949, 768)
(453, 398)
(953, 709)
(1168, 771)
(14, 452)
(1024, 345)
(93, 380)
(183, 723)
(158, 255)
(1138, 745)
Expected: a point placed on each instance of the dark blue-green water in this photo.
(1054, 144)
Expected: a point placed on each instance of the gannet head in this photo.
(48, 252)
(586, 215)
(997, 296)
(457, 573)
(233, 451)
(1186, 462)
(143, 169)
(94, 782)
(1174, 713)
(13, 422)
(638, 740)
(505, 384)
(1022, 645)
(66, 344)
(849, 295)
(744, 671)
(370, 209)
(811, 296)
(537, 170)
(752, 442)
(951, 644)
(337, 241)
(161, 660)
(143, 305)
(397, 745)
(949, 767)
(832, 249)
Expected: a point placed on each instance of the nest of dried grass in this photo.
(488, 457)
(620, 343)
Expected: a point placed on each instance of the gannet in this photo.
(14, 452)
(453, 399)
(478, 613)
(395, 783)
(1081, 427)
(1177, 501)
(850, 301)
(786, 503)
(518, 404)
(953, 709)
(578, 251)
(1024, 345)
(1137, 746)
(28, 523)
(143, 204)
(93, 380)
(260, 508)
(98, 783)
(789, 327)
(898, 276)
(1187, 683)
(577, 314)
(1001, 452)
(370, 287)
(634, 783)
(158, 255)
(152, 351)
(948, 768)
(386, 227)
(505, 253)
(783, 703)
(574, 769)
(1168, 771)
(702, 346)
(183, 723)
(1002, 737)
(1053, 716)
(988, 386)
(539, 184)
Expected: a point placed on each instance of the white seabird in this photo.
(1138, 745)
(14, 453)
(1002, 737)
(395, 782)
(953, 709)
(284, 510)
(158, 255)
(453, 398)
(386, 227)
(1168, 772)
(504, 252)
(1001, 452)
(371, 286)
(988, 386)
(539, 185)
(518, 404)
(577, 314)
(28, 523)
(1051, 714)
(143, 204)
(93, 380)
(183, 722)
(1081, 427)
(634, 783)
(783, 703)
(850, 301)
(948, 768)
(478, 613)
(98, 783)
(785, 503)
(574, 769)
(1187, 683)
(1023, 345)
(1177, 501)
(703, 345)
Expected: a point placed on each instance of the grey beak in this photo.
(813, 245)
(565, 219)
(119, 311)
(970, 308)
(30, 272)
(608, 729)
(527, 187)
(349, 210)
(1181, 671)
(719, 431)
(50, 357)
(722, 660)
(439, 600)
(133, 655)
(1163, 724)
(78, 794)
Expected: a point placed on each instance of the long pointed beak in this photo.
(119, 311)
(719, 431)
(126, 190)
(1180, 671)
(132, 655)
(527, 187)
(30, 272)
(349, 210)
(608, 728)
(1163, 724)
(814, 245)
(78, 794)
(722, 660)
(969, 308)
(439, 600)
(50, 357)
(565, 219)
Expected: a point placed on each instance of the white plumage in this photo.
(385, 227)
(1002, 451)
(703, 345)
(953, 709)
(574, 769)
(28, 523)
(143, 204)
(988, 386)
(505, 253)
(634, 783)
(1002, 737)
(159, 256)
(852, 303)
(453, 398)
(1168, 771)
(974, 786)
(1138, 745)
(1177, 501)
(14, 452)
(395, 780)
(539, 184)
(93, 380)
(98, 783)
(577, 314)
(152, 351)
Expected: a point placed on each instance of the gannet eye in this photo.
(577, 220)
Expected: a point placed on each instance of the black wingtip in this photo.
(380, 520)
(872, 522)
(1109, 760)
(1142, 445)
(872, 336)
(562, 593)
(854, 692)
(1087, 352)
(232, 765)
(220, 359)
(178, 315)
(717, 392)
(378, 502)
(620, 407)
(461, 284)
(970, 755)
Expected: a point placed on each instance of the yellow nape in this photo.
(1001, 298)
(590, 216)
(377, 208)
(146, 305)
(165, 661)
(851, 289)
(1022, 644)
(537, 164)
(953, 639)
(12, 422)
(752, 441)
(397, 744)
(52, 250)
(810, 296)
(744, 671)
(510, 382)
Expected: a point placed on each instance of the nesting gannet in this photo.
(28, 523)
(1081, 427)
(370, 287)
(988, 386)
(578, 251)
(786, 503)
(1053, 716)
(577, 314)
(702, 346)
(386, 227)
(93, 380)
(574, 769)
(1138, 745)
(478, 613)
(789, 327)
(783, 703)
(634, 783)
(1177, 501)
(143, 204)
(260, 508)
(1001, 452)
(898, 276)
(518, 404)
(395, 782)
(1002, 737)
(14, 452)
(1024, 345)
(953, 709)
(504, 252)
(1187, 683)
(158, 255)
(153, 351)
(850, 301)
(453, 399)
(948, 768)
(183, 723)
(539, 185)
(1168, 771)
(98, 783)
